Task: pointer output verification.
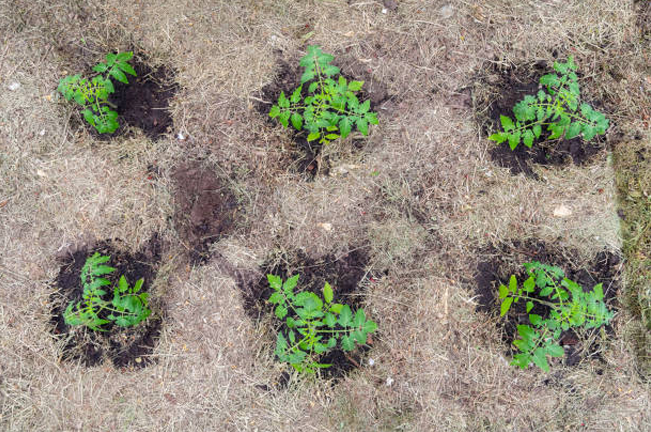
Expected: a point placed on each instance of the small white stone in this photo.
(14, 86)
(42, 132)
(371, 362)
(562, 211)
(384, 10)
(389, 381)
(180, 136)
(325, 226)
(446, 11)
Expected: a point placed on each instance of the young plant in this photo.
(92, 94)
(331, 109)
(556, 107)
(569, 307)
(127, 308)
(314, 326)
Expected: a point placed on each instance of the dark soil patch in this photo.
(125, 347)
(496, 267)
(344, 273)
(495, 94)
(144, 102)
(307, 156)
(205, 209)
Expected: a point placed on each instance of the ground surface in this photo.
(423, 200)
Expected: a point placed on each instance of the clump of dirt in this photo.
(205, 209)
(496, 92)
(344, 273)
(307, 156)
(496, 265)
(144, 102)
(125, 347)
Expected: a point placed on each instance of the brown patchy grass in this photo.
(436, 201)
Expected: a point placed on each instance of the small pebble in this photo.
(446, 11)
(14, 86)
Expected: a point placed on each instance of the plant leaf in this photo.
(328, 294)
(506, 305)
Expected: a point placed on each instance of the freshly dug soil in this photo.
(496, 266)
(144, 102)
(497, 92)
(205, 209)
(125, 347)
(344, 273)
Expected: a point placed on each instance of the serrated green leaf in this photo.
(507, 123)
(555, 350)
(535, 319)
(283, 102)
(540, 359)
(369, 326)
(119, 75)
(529, 306)
(283, 118)
(297, 121)
(362, 125)
(307, 76)
(360, 318)
(503, 291)
(314, 135)
(499, 137)
(124, 56)
(573, 131)
(506, 305)
(546, 291)
(328, 294)
(347, 343)
(274, 111)
(527, 138)
(514, 140)
(355, 85)
(100, 67)
(281, 311)
(126, 67)
(345, 316)
(537, 130)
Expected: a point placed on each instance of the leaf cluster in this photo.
(331, 109)
(557, 107)
(315, 326)
(127, 308)
(92, 94)
(570, 307)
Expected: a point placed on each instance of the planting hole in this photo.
(126, 347)
(205, 209)
(345, 273)
(497, 265)
(308, 156)
(496, 93)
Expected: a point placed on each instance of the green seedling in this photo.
(570, 307)
(92, 94)
(331, 109)
(127, 308)
(312, 326)
(556, 107)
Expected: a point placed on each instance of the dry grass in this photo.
(436, 200)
